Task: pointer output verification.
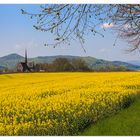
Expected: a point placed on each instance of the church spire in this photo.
(26, 56)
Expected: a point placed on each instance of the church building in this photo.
(25, 66)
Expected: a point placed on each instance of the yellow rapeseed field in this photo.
(62, 103)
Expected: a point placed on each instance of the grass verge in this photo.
(125, 123)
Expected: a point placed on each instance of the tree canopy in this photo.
(75, 21)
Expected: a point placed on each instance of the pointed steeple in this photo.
(26, 56)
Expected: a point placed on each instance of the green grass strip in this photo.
(125, 123)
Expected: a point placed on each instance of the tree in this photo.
(75, 21)
(79, 65)
(127, 21)
(62, 64)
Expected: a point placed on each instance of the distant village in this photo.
(59, 65)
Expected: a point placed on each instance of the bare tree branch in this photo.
(76, 21)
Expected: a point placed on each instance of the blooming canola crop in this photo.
(62, 103)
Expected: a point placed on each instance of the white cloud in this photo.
(107, 25)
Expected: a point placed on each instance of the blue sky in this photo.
(17, 33)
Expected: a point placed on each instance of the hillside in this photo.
(2, 67)
(10, 61)
(134, 62)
